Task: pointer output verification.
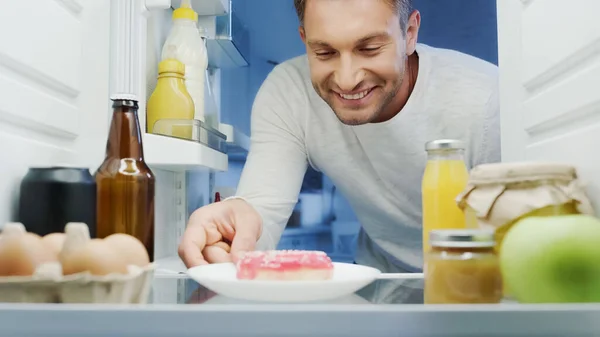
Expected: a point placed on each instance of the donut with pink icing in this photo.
(285, 265)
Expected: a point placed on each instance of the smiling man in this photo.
(359, 106)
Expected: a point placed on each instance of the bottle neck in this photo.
(170, 81)
(170, 76)
(125, 138)
(446, 154)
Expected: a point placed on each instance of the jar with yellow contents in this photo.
(462, 267)
(499, 195)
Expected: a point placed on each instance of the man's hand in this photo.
(220, 232)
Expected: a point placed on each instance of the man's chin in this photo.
(354, 117)
(352, 121)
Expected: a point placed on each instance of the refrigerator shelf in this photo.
(252, 320)
(180, 155)
(206, 7)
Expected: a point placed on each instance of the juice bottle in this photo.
(125, 183)
(444, 179)
(170, 99)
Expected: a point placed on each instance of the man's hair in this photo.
(403, 7)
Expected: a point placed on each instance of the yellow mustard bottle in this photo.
(170, 99)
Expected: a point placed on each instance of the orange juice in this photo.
(445, 177)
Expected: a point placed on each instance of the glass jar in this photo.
(462, 267)
(499, 195)
(445, 177)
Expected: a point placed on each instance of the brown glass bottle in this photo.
(125, 200)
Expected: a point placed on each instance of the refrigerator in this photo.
(60, 61)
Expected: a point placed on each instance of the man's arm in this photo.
(273, 173)
(487, 142)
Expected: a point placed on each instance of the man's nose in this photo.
(349, 74)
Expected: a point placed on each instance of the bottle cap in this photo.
(124, 97)
(445, 144)
(185, 11)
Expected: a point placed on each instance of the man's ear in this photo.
(302, 34)
(412, 32)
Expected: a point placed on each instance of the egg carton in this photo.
(48, 285)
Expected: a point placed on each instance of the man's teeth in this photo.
(355, 96)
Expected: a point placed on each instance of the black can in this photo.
(51, 197)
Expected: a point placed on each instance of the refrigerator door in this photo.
(54, 75)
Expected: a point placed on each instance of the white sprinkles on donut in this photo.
(285, 265)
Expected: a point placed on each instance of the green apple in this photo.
(553, 259)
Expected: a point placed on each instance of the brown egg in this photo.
(21, 252)
(54, 241)
(95, 256)
(130, 249)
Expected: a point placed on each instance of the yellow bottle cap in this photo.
(171, 66)
(185, 11)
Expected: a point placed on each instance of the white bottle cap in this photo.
(122, 96)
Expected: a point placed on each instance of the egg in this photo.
(54, 241)
(95, 256)
(21, 253)
(129, 248)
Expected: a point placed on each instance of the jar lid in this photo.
(462, 238)
(445, 144)
(520, 171)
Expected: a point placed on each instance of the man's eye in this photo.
(324, 53)
(369, 50)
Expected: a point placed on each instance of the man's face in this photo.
(357, 54)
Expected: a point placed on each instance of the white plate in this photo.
(350, 299)
(221, 278)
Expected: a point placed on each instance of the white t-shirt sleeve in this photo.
(488, 137)
(277, 161)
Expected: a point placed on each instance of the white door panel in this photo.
(557, 36)
(549, 58)
(54, 75)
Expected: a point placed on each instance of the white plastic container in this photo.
(189, 48)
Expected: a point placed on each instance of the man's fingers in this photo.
(191, 246)
(223, 245)
(216, 254)
(213, 235)
(243, 241)
(191, 255)
(226, 230)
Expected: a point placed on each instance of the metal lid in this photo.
(445, 144)
(124, 97)
(462, 238)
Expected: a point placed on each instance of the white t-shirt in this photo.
(379, 166)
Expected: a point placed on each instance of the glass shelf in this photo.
(191, 130)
